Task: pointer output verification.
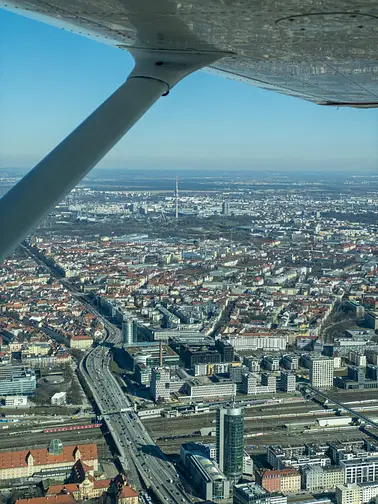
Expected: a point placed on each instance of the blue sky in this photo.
(50, 80)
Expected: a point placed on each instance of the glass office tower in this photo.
(229, 443)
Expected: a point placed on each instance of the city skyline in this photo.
(241, 342)
(194, 318)
(207, 121)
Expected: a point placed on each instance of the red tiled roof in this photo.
(43, 457)
(102, 483)
(86, 467)
(279, 473)
(58, 489)
(56, 499)
(127, 491)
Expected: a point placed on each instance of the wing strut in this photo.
(154, 74)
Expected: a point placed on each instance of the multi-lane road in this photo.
(142, 459)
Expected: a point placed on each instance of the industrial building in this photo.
(147, 354)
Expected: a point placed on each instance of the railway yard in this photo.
(268, 424)
(274, 422)
(25, 434)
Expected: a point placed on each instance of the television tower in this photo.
(176, 200)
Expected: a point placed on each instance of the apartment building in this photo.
(258, 342)
(348, 494)
(252, 383)
(252, 493)
(160, 383)
(316, 478)
(290, 362)
(360, 470)
(280, 480)
(369, 491)
(16, 401)
(371, 320)
(80, 342)
(269, 381)
(225, 389)
(321, 372)
(288, 381)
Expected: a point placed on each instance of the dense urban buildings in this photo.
(232, 318)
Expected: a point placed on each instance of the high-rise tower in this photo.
(129, 331)
(229, 442)
(321, 372)
(225, 208)
(176, 200)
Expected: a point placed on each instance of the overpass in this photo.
(353, 412)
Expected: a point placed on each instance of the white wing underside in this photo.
(325, 52)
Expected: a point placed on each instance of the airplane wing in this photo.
(324, 52)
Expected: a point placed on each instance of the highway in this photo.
(141, 458)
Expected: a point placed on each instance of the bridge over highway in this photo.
(343, 406)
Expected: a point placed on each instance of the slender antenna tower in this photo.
(177, 200)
